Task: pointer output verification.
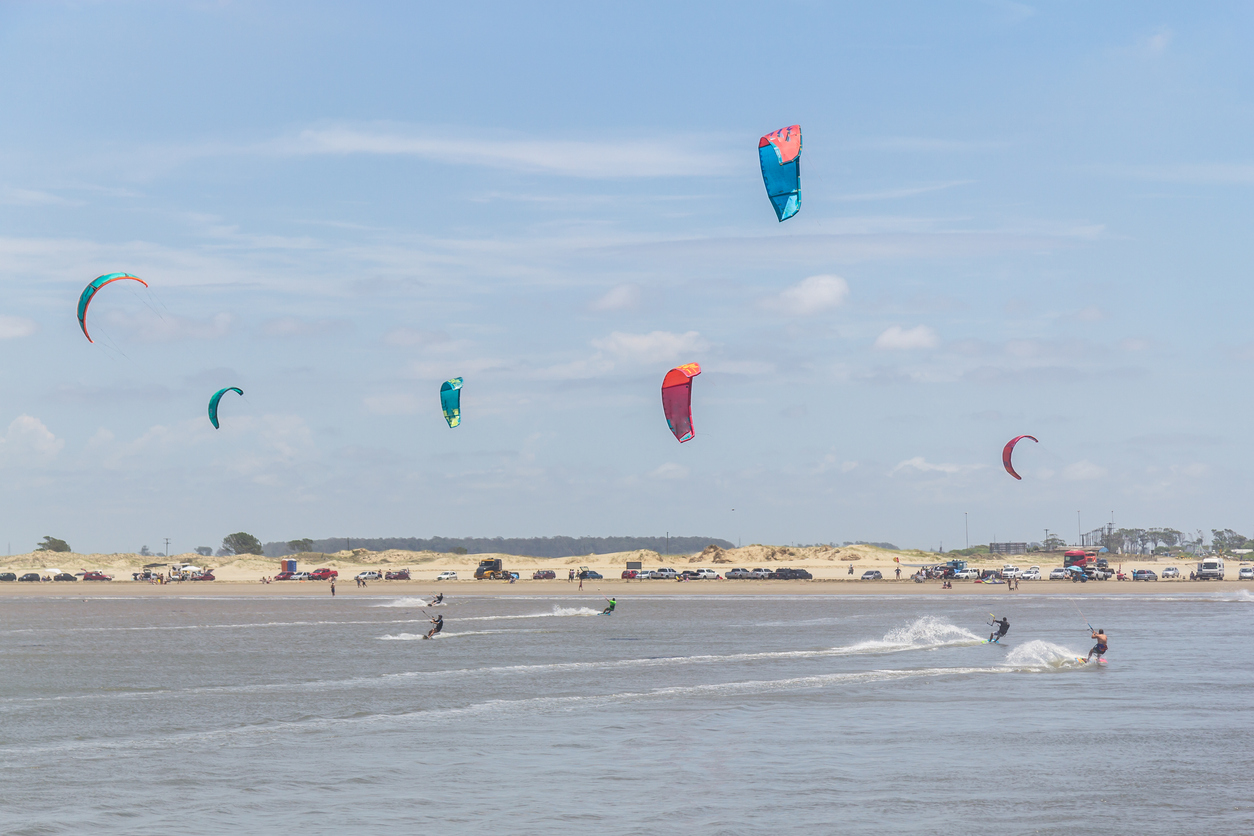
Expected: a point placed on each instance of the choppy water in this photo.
(701, 716)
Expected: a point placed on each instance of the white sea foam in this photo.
(1042, 655)
(404, 603)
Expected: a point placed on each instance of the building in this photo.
(1008, 548)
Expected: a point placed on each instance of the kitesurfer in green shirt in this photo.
(610, 608)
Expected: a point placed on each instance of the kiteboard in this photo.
(1101, 661)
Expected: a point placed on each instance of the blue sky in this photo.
(1017, 218)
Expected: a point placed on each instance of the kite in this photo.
(213, 403)
(451, 401)
(780, 154)
(89, 293)
(1010, 448)
(677, 399)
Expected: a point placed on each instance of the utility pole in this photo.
(167, 547)
(668, 544)
(966, 529)
(1079, 530)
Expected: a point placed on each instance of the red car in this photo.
(324, 574)
(204, 576)
(398, 575)
(544, 575)
(96, 576)
(284, 576)
(630, 574)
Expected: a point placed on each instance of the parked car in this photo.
(444, 576)
(396, 575)
(759, 574)
(206, 575)
(708, 575)
(872, 575)
(325, 574)
(371, 575)
(967, 574)
(549, 574)
(785, 574)
(737, 574)
(1144, 575)
(305, 576)
(284, 576)
(64, 576)
(1033, 574)
(1057, 574)
(1245, 573)
(1009, 571)
(665, 573)
(689, 574)
(591, 575)
(1170, 572)
(7, 576)
(29, 577)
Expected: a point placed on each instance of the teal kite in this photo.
(779, 152)
(213, 403)
(451, 401)
(89, 293)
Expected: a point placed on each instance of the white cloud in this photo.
(14, 327)
(30, 197)
(654, 347)
(670, 470)
(745, 367)
(924, 466)
(625, 297)
(406, 337)
(166, 328)
(1083, 471)
(1159, 41)
(1091, 314)
(810, 296)
(28, 441)
(897, 338)
(394, 403)
(290, 326)
(611, 159)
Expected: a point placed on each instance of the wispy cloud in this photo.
(810, 296)
(28, 441)
(893, 194)
(608, 159)
(897, 338)
(625, 297)
(922, 465)
(654, 347)
(16, 327)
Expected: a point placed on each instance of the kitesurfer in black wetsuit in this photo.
(438, 621)
(439, 599)
(1100, 647)
(1001, 631)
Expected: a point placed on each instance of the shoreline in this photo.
(595, 589)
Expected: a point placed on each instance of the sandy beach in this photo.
(240, 576)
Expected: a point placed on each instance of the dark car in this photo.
(398, 575)
(1144, 575)
(65, 576)
(589, 575)
(284, 576)
(872, 575)
(96, 576)
(690, 575)
(543, 575)
(30, 576)
(737, 574)
(8, 576)
(203, 576)
(325, 574)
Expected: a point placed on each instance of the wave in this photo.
(408, 637)
(1042, 656)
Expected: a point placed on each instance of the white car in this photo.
(1245, 573)
(665, 574)
(1009, 571)
(967, 574)
(368, 575)
(759, 574)
(1057, 574)
(446, 576)
(1170, 572)
(1033, 574)
(707, 574)
(300, 576)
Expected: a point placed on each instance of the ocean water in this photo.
(703, 715)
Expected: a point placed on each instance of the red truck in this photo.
(323, 574)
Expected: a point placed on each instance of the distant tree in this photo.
(300, 546)
(204, 551)
(242, 543)
(143, 551)
(52, 544)
(1054, 543)
(458, 550)
(1226, 539)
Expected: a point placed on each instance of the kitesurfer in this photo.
(438, 621)
(439, 599)
(1100, 647)
(610, 608)
(1002, 630)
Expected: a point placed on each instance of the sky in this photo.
(1016, 218)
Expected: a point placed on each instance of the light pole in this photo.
(966, 529)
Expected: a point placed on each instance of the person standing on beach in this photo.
(1100, 647)
(332, 587)
(581, 580)
(898, 573)
(570, 577)
(995, 637)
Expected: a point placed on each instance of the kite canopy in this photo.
(451, 401)
(677, 399)
(89, 293)
(213, 403)
(1008, 450)
(780, 155)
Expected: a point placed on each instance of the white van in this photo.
(1211, 569)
